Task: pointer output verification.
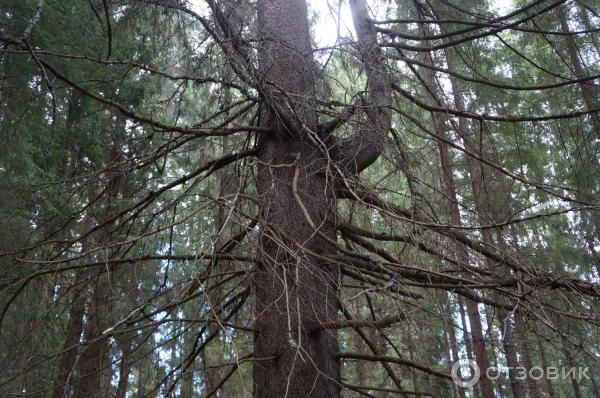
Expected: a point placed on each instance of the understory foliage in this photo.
(220, 198)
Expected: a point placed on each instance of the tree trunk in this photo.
(295, 290)
(462, 256)
(532, 385)
(510, 352)
(94, 365)
(587, 89)
(485, 385)
(585, 20)
(449, 328)
(93, 359)
(571, 364)
(142, 376)
(545, 364)
(71, 342)
(187, 379)
(463, 323)
(124, 371)
(70, 346)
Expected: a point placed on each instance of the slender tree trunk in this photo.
(545, 364)
(571, 364)
(585, 20)
(430, 350)
(477, 176)
(532, 386)
(93, 359)
(485, 385)
(94, 370)
(589, 93)
(412, 354)
(187, 380)
(467, 337)
(449, 328)
(71, 343)
(75, 324)
(510, 352)
(587, 90)
(462, 256)
(295, 290)
(362, 367)
(124, 372)
(227, 187)
(142, 376)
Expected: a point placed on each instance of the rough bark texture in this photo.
(295, 290)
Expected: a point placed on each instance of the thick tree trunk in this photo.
(295, 289)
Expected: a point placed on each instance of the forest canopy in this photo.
(269, 198)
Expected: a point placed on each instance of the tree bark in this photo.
(295, 290)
